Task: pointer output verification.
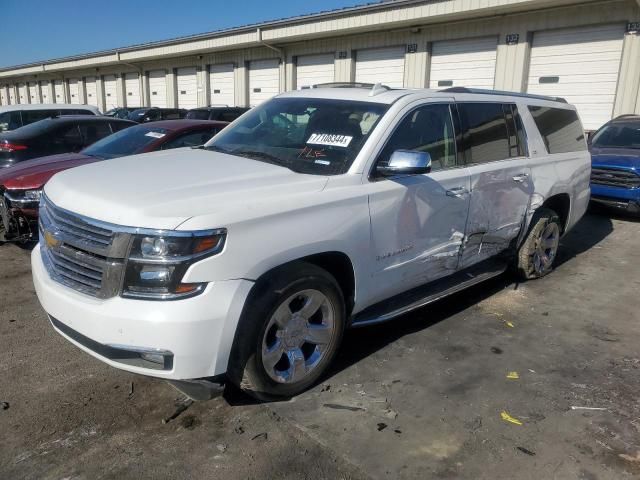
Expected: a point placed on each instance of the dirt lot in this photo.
(423, 397)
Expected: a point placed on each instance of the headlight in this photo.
(33, 195)
(157, 263)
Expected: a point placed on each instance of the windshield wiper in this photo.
(262, 156)
(213, 148)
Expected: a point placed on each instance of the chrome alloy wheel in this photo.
(298, 336)
(546, 248)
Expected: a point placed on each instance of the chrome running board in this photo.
(429, 293)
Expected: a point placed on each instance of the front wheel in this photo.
(289, 332)
(539, 250)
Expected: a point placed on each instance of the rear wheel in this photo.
(289, 332)
(539, 250)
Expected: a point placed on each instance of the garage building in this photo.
(585, 51)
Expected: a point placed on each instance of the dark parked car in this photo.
(225, 114)
(153, 114)
(13, 117)
(615, 164)
(21, 185)
(121, 112)
(70, 133)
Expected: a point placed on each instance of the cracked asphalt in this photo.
(539, 380)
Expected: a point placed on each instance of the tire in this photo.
(535, 258)
(272, 356)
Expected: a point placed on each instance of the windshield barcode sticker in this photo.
(329, 139)
(154, 134)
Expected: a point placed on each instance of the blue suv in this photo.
(615, 164)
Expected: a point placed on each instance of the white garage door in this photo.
(314, 69)
(34, 96)
(264, 80)
(12, 95)
(381, 65)
(91, 91)
(22, 93)
(221, 85)
(74, 91)
(187, 87)
(45, 91)
(158, 88)
(58, 89)
(4, 97)
(580, 65)
(132, 90)
(464, 63)
(110, 92)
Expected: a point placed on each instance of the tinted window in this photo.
(618, 135)
(10, 121)
(517, 139)
(198, 114)
(172, 114)
(126, 142)
(426, 129)
(117, 126)
(191, 139)
(92, 132)
(560, 128)
(30, 116)
(228, 116)
(486, 134)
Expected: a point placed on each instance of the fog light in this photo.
(153, 358)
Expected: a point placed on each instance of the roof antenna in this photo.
(377, 89)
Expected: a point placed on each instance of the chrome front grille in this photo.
(83, 254)
(614, 177)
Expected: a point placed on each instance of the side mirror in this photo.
(406, 162)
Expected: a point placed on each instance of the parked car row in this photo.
(57, 144)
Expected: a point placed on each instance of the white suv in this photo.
(245, 259)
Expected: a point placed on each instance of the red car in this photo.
(21, 185)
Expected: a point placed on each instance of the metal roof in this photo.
(372, 6)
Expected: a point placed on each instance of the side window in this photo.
(117, 126)
(560, 128)
(10, 121)
(517, 139)
(229, 116)
(92, 132)
(192, 139)
(67, 139)
(171, 115)
(425, 129)
(485, 130)
(30, 116)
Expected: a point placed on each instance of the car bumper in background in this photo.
(174, 340)
(625, 199)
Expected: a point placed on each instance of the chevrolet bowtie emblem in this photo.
(51, 240)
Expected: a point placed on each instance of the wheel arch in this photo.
(561, 204)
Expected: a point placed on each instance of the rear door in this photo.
(501, 185)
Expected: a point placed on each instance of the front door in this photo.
(418, 221)
(500, 174)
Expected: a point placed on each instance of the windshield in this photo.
(618, 135)
(198, 114)
(129, 141)
(306, 135)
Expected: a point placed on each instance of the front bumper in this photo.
(629, 206)
(194, 335)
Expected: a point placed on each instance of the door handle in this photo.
(521, 178)
(457, 192)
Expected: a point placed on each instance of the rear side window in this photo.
(486, 133)
(92, 132)
(198, 115)
(30, 116)
(172, 115)
(10, 121)
(560, 129)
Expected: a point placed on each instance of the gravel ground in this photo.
(426, 396)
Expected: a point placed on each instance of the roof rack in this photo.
(501, 92)
(344, 85)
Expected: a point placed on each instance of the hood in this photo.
(33, 174)
(616, 157)
(161, 190)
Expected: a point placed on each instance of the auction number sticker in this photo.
(154, 134)
(329, 139)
